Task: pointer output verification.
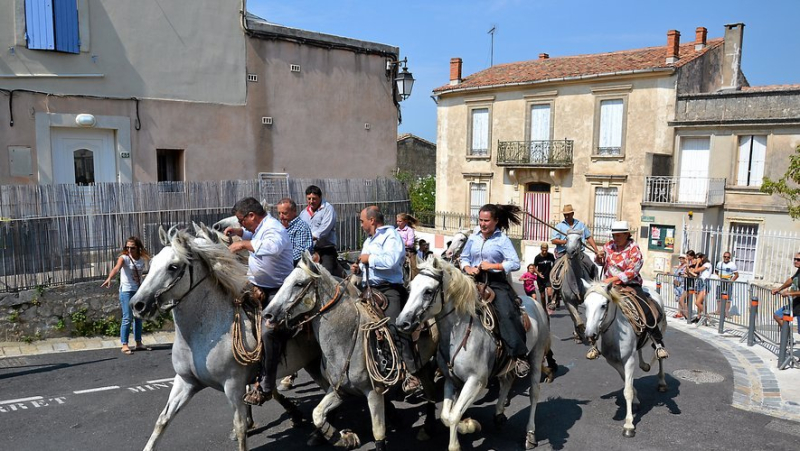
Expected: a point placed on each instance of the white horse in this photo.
(198, 279)
(619, 340)
(467, 350)
(456, 245)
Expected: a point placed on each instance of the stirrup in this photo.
(661, 353)
(256, 397)
(593, 353)
(411, 384)
(521, 367)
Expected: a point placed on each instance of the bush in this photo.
(421, 191)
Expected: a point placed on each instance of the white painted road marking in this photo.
(31, 402)
(11, 401)
(169, 379)
(92, 390)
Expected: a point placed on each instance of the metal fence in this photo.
(737, 311)
(61, 234)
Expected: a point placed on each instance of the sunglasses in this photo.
(797, 259)
(131, 247)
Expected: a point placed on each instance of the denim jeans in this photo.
(127, 316)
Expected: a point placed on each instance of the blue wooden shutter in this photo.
(66, 26)
(39, 24)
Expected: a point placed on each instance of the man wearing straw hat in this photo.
(560, 238)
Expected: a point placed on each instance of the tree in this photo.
(787, 186)
(421, 191)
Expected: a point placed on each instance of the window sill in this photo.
(756, 190)
(608, 157)
(478, 157)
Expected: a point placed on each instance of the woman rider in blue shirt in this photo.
(489, 254)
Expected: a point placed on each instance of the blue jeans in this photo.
(127, 316)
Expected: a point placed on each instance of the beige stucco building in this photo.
(187, 90)
(606, 132)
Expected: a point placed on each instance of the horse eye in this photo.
(173, 267)
(299, 284)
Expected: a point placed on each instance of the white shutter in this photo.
(477, 198)
(480, 131)
(757, 159)
(693, 184)
(540, 123)
(610, 126)
(605, 212)
(743, 162)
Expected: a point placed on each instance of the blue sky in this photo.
(431, 32)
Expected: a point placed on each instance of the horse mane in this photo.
(613, 294)
(460, 288)
(225, 268)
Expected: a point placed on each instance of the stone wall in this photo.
(416, 156)
(47, 312)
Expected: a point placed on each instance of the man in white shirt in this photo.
(321, 218)
(727, 272)
(270, 262)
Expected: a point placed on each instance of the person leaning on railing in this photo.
(688, 284)
(727, 272)
(678, 273)
(790, 288)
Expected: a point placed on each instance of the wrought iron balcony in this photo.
(684, 191)
(535, 153)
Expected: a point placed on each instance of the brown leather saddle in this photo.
(487, 295)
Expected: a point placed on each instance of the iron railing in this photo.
(684, 191)
(535, 153)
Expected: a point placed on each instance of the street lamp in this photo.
(404, 80)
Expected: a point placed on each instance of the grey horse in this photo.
(567, 277)
(197, 280)
(467, 350)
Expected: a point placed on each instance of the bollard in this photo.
(658, 287)
(723, 307)
(786, 330)
(751, 328)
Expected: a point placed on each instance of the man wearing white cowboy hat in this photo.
(560, 238)
(622, 260)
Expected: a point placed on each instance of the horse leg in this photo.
(552, 367)
(429, 391)
(642, 364)
(628, 429)
(535, 377)
(662, 383)
(375, 401)
(576, 319)
(447, 402)
(500, 418)
(468, 394)
(289, 407)
(346, 439)
(182, 391)
(234, 390)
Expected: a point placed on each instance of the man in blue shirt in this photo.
(321, 218)
(270, 262)
(560, 238)
(299, 232)
(383, 254)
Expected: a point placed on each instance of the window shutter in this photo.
(610, 126)
(540, 123)
(743, 162)
(66, 26)
(39, 24)
(477, 199)
(480, 131)
(757, 160)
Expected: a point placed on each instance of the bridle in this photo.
(603, 324)
(299, 297)
(438, 293)
(177, 300)
(457, 251)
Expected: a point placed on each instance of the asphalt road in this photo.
(99, 400)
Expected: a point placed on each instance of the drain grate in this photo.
(698, 376)
(13, 362)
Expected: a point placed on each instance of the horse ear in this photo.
(609, 287)
(162, 236)
(586, 284)
(196, 228)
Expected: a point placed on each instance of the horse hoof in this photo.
(645, 367)
(530, 440)
(468, 426)
(628, 433)
(662, 388)
(348, 440)
(380, 445)
(316, 438)
(500, 421)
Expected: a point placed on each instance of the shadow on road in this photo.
(35, 369)
(649, 397)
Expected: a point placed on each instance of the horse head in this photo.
(299, 294)
(456, 245)
(574, 243)
(598, 301)
(223, 224)
(175, 272)
(425, 296)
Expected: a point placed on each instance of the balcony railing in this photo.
(684, 191)
(535, 153)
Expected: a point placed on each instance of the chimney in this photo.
(700, 38)
(732, 57)
(455, 71)
(673, 44)
(544, 56)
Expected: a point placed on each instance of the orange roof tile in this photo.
(649, 58)
(766, 88)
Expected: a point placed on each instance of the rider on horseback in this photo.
(383, 254)
(570, 223)
(489, 252)
(270, 262)
(622, 260)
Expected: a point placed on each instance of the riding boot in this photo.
(409, 355)
(661, 351)
(273, 347)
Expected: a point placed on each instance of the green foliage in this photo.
(421, 191)
(85, 327)
(788, 186)
(40, 289)
(157, 323)
(30, 339)
(60, 324)
(14, 316)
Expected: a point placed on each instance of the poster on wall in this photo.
(662, 238)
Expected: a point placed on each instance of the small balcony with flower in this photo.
(535, 154)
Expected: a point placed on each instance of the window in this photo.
(52, 25)
(605, 212)
(609, 140)
(477, 199)
(745, 238)
(750, 165)
(479, 143)
(83, 160)
(170, 169)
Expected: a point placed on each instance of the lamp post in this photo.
(404, 80)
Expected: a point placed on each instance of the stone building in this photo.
(416, 156)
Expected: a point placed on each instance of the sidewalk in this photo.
(54, 345)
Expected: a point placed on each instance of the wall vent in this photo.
(294, 67)
(367, 126)
(252, 77)
(266, 120)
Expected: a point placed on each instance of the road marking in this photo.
(169, 379)
(12, 401)
(92, 390)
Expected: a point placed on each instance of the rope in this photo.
(380, 331)
(633, 311)
(240, 352)
(487, 319)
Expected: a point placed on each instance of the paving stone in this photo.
(77, 345)
(12, 351)
(61, 347)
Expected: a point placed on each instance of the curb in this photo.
(57, 345)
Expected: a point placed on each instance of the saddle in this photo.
(643, 314)
(375, 300)
(486, 295)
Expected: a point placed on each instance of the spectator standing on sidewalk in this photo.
(688, 284)
(132, 265)
(679, 273)
(727, 272)
(789, 289)
(701, 270)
